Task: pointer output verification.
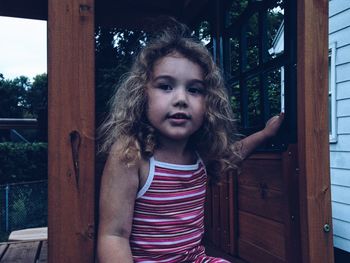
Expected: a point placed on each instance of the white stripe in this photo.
(149, 179)
(170, 234)
(182, 167)
(175, 175)
(164, 220)
(174, 197)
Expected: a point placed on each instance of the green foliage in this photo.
(236, 9)
(19, 210)
(28, 205)
(12, 97)
(250, 59)
(115, 51)
(19, 98)
(36, 95)
(20, 162)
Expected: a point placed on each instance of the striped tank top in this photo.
(168, 223)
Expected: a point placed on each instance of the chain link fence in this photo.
(23, 205)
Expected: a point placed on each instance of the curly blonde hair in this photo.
(127, 123)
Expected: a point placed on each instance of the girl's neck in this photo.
(175, 152)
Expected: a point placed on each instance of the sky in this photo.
(23, 47)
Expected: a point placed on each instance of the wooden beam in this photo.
(71, 125)
(313, 144)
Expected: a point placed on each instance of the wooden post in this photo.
(313, 144)
(71, 190)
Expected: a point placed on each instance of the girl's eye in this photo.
(165, 87)
(195, 90)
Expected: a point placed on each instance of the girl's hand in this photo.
(273, 125)
(250, 143)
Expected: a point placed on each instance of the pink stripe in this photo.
(168, 218)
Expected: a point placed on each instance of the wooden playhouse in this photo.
(278, 207)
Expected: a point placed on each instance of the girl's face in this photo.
(176, 97)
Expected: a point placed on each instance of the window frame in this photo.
(332, 92)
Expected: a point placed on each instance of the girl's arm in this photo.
(118, 192)
(250, 143)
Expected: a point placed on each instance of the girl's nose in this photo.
(180, 97)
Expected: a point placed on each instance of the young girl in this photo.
(170, 130)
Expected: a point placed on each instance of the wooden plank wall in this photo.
(313, 147)
(339, 37)
(221, 220)
(268, 208)
(71, 125)
(259, 209)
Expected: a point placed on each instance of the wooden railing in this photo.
(12, 123)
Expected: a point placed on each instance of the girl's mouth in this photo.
(179, 116)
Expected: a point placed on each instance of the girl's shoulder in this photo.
(116, 160)
(121, 152)
(140, 166)
(119, 176)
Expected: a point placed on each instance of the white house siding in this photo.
(339, 33)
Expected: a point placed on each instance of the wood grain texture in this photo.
(216, 231)
(264, 170)
(260, 186)
(220, 216)
(263, 233)
(224, 216)
(268, 195)
(71, 108)
(313, 152)
(21, 252)
(43, 253)
(3, 248)
(255, 254)
(291, 199)
(233, 213)
(270, 205)
(208, 219)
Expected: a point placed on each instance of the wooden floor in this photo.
(24, 252)
(36, 252)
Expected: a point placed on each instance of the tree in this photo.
(115, 51)
(36, 95)
(12, 97)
